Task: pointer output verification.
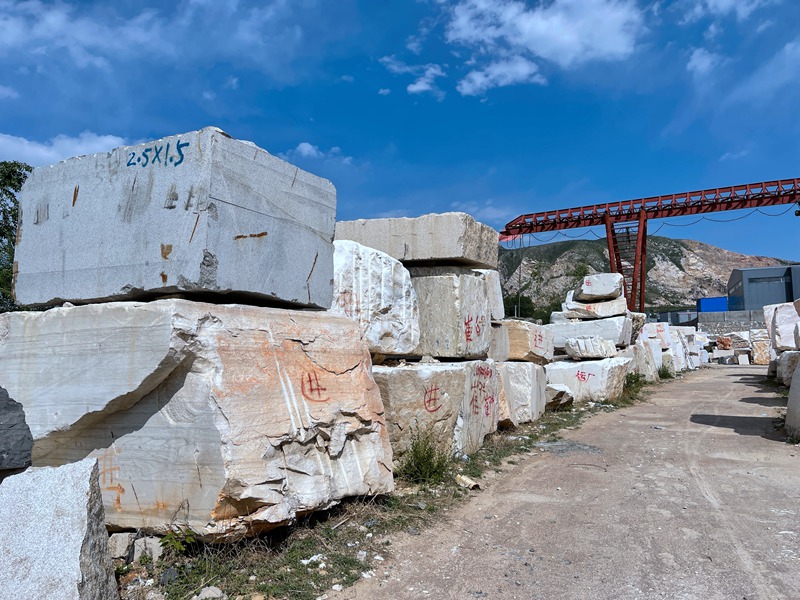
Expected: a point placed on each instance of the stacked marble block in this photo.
(741, 348)
(445, 378)
(227, 419)
(783, 325)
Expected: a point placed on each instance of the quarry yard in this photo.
(691, 494)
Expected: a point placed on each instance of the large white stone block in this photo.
(643, 360)
(793, 407)
(769, 313)
(589, 346)
(456, 402)
(615, 329)
(493, 286)
(597, 381)
(658, 331)
(374, 290)
(53, 538)
(528, 341)
(784, 321)
(573, 309)
(454, 316)
(225, 419)
(797, 335)
(601, 286)
(500, 348)
(454, 238)
(522, 392)
(192, 213)
(787, 365)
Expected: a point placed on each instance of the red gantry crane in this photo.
(626, 222)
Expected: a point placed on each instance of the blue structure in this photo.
(717, 304)
(752, 289)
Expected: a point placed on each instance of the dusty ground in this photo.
(692, 494)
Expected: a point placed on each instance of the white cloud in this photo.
(8, 92)
(232, 83)
(384, 91)
(487, 212)
(722, 8)
(777, 75)
(209, 95)
(498, 74)
(733, 155)
(764, 25)
(702, 62)
(308, 151)
(347, 78)
(58, 148)
(425, 75)
(566, 32)
(713, 31)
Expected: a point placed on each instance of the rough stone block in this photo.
(743, 359)
(643, 360)
(454, 316)
(374, 290)
(493, 286)
(522, 392)
(797, 335)
(787, 365)
(16, 441)
(638, 321)
(119, 545)
(668, 361)
(454, 238)
(192, 213)
(601, 286)
(658, 331)
(598, 381)
(615, 329)
(53, 539)
(573, 309)
(769, 313)
(225, 419)
(456, 402)
(558, 397)
(559, 317)
(793, 407)
(759, 335)
(528, 341)
(772, 368)
(784, 321)
(589, 346)
(722, 353)
(500, 348)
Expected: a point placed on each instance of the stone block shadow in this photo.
(766, 427)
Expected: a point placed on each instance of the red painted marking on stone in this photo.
(311, 388)
(431, 400)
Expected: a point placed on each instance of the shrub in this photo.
(428, 460)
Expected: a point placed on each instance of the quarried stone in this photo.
(616, 329)
(589, 347)
(454, 238)
(784, 321)
(787, 365)
(454, 316)
(522, 392)
(199, 212)
(493, 286)
(224, 419)
(598, 381)
(500, 348)
(658, 331)
(793, 407)
(374, 290)
(601, 286)
(643, 361)
(558, 397)
(528, 341)
(761, 352)
(52, 535)
(16, 441)
(573, 309)
(668, 362)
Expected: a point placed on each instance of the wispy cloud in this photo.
(56, 149)
(733, 155)
(8, 92)
(426, 75)
(384, 92)
(308, 151)
(742, 9)
(702, 62)
(501, 73)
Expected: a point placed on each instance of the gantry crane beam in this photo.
(631, 216)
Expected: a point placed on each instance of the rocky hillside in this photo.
(678, 271)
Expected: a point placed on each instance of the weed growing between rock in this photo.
(664, 372)
(428, 460)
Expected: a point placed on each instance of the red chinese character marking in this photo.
(431, 400)
(479, 323)
(482, 399)
(468, 328)
(587, 282)
(583, 375)
(538, 340)
(349, 303)
(311, 389)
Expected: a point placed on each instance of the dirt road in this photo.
(692, 494)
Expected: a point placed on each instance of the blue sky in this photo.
(493, 107)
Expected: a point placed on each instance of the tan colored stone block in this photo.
(528, 341)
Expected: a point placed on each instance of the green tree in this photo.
(12, 176)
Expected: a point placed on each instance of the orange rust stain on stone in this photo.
(75, 195)
(250, 235)
(163, 278)
(166, 249)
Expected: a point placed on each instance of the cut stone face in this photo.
(784, 321)
(493, 287)
(787, 364)
(644, 361)
(522, 392)
(500, 349)
(769, 313)
(668, 360)
(528, 341)
(454, 316)
(454, 238)
(455, 402)
(597, 381)
(255, 415)
(193, 213)
(374, 290)
(558, 396)
(658, 331)
(793, 406)
(601, 286)
(573, 309)
(616, 329)
(57, 547)
(16, 441)
(761, 352)
(797, 335)
(589, 346)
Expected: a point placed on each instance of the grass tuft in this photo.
(428, 461)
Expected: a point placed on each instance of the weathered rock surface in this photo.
(573, 309)
(374, 290)
(761, 352)
(16, 441)
(793, 407)
(493, 287)
(454, 238)
(668, 361)
(528, 341)
(558, 397)
(784, 321)
(598, 381)
(616, 329)
(769, 313)
(454, 316)
(658, 331)
(638, 321)
(53, 540)
(598, 287)
(522, 392)
(223, 418)
(198, 212)
(559, 317)
(643, 359)
(589, 346)
(787, 365)
(797, 335)
(500, 348)
(456, 402)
